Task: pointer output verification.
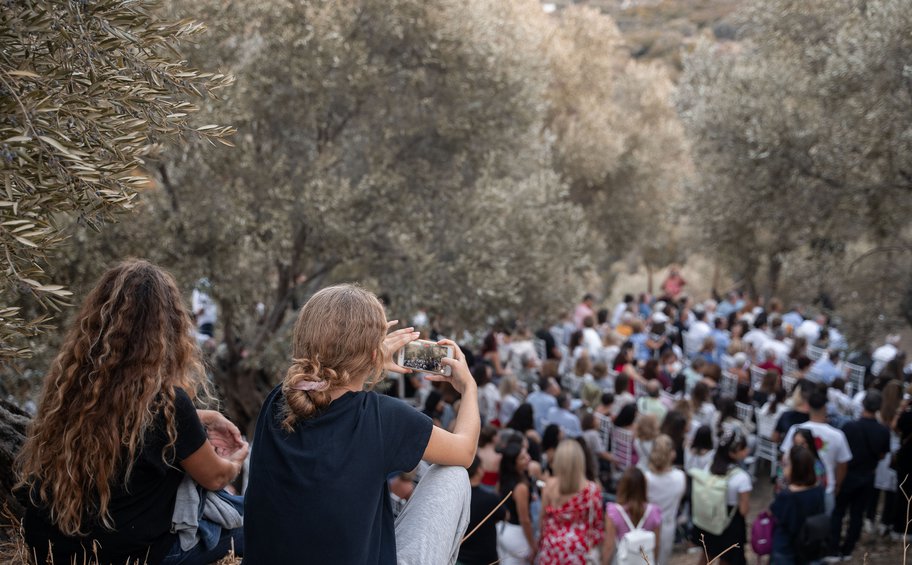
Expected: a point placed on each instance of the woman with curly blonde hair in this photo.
(116, 430)
(325, 446)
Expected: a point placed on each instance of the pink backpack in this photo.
(762, 534)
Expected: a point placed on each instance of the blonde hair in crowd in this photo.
(127, 349)
(569, 466)
(647, 427)
(662, 454)
(338, 337)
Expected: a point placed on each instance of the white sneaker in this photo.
(869, 526)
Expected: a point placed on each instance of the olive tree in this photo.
(86, 89)
(802, 139)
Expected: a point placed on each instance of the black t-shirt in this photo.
(869, 441)
(904, 455)
(319, 494)
(141, 510)
(789, 419)
(481, 548)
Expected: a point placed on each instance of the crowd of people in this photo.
(659, 405)
(608, 436)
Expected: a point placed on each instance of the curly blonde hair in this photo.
(338, 337)
(128, 348)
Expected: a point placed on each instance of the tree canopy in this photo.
(802, 138)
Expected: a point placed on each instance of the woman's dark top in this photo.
(319, 494)
(904, 455)
(481, 548)
(791, 509)
(505, 487)
(141, 510)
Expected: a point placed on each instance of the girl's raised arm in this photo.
(457, 447)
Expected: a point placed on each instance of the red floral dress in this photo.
(569, 532)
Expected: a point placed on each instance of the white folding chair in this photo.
(757, 375)
(639, 389)
(622, 449)
(788, 383)
(540, 349)
(766, 447)
(667, 398)
(745, 412)
(814, 353)
(604, 428)
(791, 365)
(856, 378)
(728, 386)
(767, 451)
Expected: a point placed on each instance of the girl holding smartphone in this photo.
(325, 445)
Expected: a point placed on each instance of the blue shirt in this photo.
(726, 308)
(319, 494)
(823, 370)
(541, 403)
(722, 341)
(567, 421)
(640, 351)
(793, 319)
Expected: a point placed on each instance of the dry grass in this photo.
(13, 549)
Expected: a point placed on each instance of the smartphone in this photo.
(425, 356)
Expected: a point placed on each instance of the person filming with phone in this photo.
(325, 445)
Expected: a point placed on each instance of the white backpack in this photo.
(636, 542)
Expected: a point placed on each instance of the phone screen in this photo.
(425, 356)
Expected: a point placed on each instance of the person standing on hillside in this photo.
(869, 441)
(831, 445)
(674, 283)
(584, 310)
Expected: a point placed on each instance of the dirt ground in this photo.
(871, 549)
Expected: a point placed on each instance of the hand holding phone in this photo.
(426, 357)
(393, 343)
(462, 377)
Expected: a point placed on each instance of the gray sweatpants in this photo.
(430, 527)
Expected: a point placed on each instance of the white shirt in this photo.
(780, 349)
(833, 450)
(607, 355)
(620, 401)
(696, 334)
(520, 354)
(694, 461)
(665, 491)
(592, 342)
(739, 483)
(841, 402)
(881, 356)
(202, 301)
(809, 330)
(757, 339)
(488, 399)
(705, 416)
(618, 314)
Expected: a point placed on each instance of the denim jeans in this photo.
(199, 555)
